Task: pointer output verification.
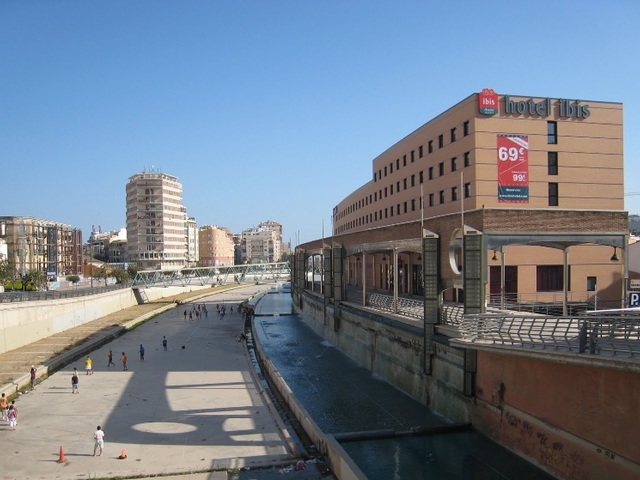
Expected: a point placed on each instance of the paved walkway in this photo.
(196, 407)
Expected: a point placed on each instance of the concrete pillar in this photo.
(327, 271)
(431, 295)
(473, 274)
(338, 288)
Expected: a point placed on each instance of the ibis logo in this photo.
(488, 102)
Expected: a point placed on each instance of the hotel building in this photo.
(508, 164)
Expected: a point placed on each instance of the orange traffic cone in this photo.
(61, 459)
(123, 455)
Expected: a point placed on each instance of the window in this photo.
(454, 194)
(467, 190)
(413, 180)
(391, 211)
(420, 151)
(591, 284)
(385, 192)
(391, 189)
(430, 146)
(390, 168)
(413, 158)
(465, 128)
(379, 174)
(552, 163)
(431, 199)
(441, 169)
(375, 216)
(453, 135)
(430, 173)
(405, 207)
(441, 197)
(375, 196)
(552, 133)
(413, 205)
(467, 159)
(404, 183)
(454, 164)
(385, 171)
(398, 186)
(385, 213)
(440, 141)
(397, 164)
(370, 197)
(398, 209)
(375, 177)
(421, 179)
(553, 194)
(549, 278)
(404, 160)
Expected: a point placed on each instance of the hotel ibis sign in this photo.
(488, 105)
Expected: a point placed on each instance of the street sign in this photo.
(634, 299)
(634, 284)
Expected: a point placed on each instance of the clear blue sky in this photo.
(273, 110)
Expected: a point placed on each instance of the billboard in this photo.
(513, 168)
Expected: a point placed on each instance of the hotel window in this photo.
(553, 194)
(454, 194)
(430, 173)
(405, 183)
(454, 164)
(552, 133)
(385, 192)
(441, 168)
(413, 158)
(390, 168)
(430, 146)
(441, 197)
(375, 216)
(465, 128)
(421, 176)
(385, 171)
(549, 278)
(370, 197)
(467, 190)
(453, 135)
(385, 213)
(375, 177)
(440, 141)
(467, 159)
(392, 211)
(391, 190)
(552, 163)
(404, 160)
(398, 209)
(405, 207)
(420, 151)
(375, 196)
(591, 284)
(413, 205)
(379, 174)
(398, 186)
(431, 199)
(397, 164)
(413, 180)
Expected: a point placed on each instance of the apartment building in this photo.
(156, 229)
(216, 246)
(42, 245)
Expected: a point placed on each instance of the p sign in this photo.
(634, 299)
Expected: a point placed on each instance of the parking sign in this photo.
(634, 299)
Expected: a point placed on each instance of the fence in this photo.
(7, 297)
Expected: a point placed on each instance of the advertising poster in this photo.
(513, 168)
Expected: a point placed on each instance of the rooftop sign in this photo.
(488, 105)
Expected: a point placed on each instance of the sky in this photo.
(273, 110)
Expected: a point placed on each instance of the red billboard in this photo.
(513, 168)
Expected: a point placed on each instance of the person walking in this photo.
(141, 353)
(33, 377)
(124, 362)
(13, 417)
(190, 315)
(164, 343)
(185, 315)
(88, 365)
(15, 409)
(98, 435)
(110, 359)
(4, 406)
(74, 382)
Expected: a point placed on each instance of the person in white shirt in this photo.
(99, 437)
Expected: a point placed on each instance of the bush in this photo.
(17, 284)
(8, 285)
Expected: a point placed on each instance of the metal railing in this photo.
(615, 336)
(20, 296)
(407, 307)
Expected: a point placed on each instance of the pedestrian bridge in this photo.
(248, 273)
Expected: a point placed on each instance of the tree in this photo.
(34, 279)
(133, 270)
(6, 270)
(73, 279)
(101, 273)
(120, 274)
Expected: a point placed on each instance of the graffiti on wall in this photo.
(523, 436)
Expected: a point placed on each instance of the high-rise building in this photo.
(191, 231)
(262, 243)
(156, 221)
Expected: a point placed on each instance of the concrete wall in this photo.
(573, 419)
(394, 350)
(22, 323)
